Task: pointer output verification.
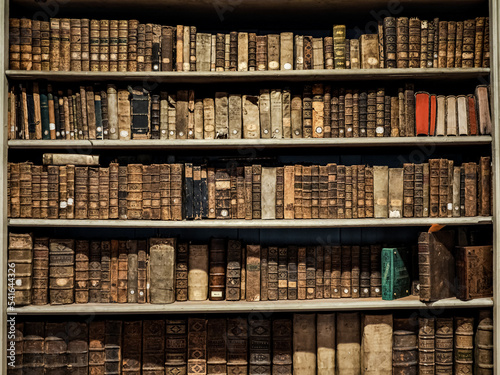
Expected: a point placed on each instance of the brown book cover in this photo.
(483, 348)
(237, 346)
(264, 275)
(162, 270)
(181, 271)
(253, 273)
(20, 253)
(197, 346)
(479, 42)
(484, 186)
(33, 346)
(55, 347)
(106, 271)
(464, 345)
(310, 272)
(474, 268)
(62, 272)
(444, 345)
(216, 346)
(282, 273)
(40, 275)
(375, 271)
(153, 346)
(348, 342)
(304, 343)
(259, 346)
(405, 349)
(216, 285)
(282, 346)
(402, 42)
(122, 276)
(94, 276)
(96, 351)
(369, 51)
(273, 274)
(233, 272)
(132, 347)
(82, 271)
(261, 52)
(408, 189)
(176, 346)
(426, 345)
(113, 271)
(104, 45)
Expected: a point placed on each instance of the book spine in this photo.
(216, 290)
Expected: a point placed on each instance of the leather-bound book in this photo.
(113, 45)
(479, 42)
(307, 117)
(261, 52)
(435, 58)
(282, 347)
(484, 186)
(221, 115)
(325, 343)
(122, 192)
(296, 116)
(132, 347)
(470, 187)
(253, 273)
(162, 270)
(320, 282)
(280, 193)
(414, 36)
(36, 176)
(233, 51)
(292, 273)
(341, 113)
(451, 115)
(273, 52)
(424, 38)
(181, 272)
(222, 194)
(62, 262)
(256, 191)
(106, 272)
(474, 268)
(186, 49)
(369, 51)
(380, 113)
(464, 345)
(15, 44)
(276, 114)
(341, 191)
(434, 187)
(408, 189)
(179, 47)
(396, 189)
(103, 187)
(323, 192)
(96, 352)
(25, 190)
(483, 110)
(235, 116)
(444, 187)
(260, 346)
(375, 271)
(364, 278)
(94, 272)
(486, 44)
(371, 114)
(348, 340)
(237, 346)
(20, 253)
(418, 193)
(298, 192)
(53, 191)
(104, 115)
(310, 272)
(339, 33)
(33, 347)
(431, 35)
(318, 60)
(82, 271)
(440, 115)
(444, 345)
(104, 45)
(198, 273)
(307, 192)
(252, 52)
(77, 349)
(155, 118)
(459, 44)
(396, 280)
(142, 294)
(233, 280)
(328, 52)
(155, 192)
(124, 115)
(40, 276)
(405, 347)
(132, 45)
(113, 271)
(462, 115)
(203, 51)
(264, 275)
(355, 270)
(182, 114)
(55, 46)
(456, 192)
(483, 348)
(165, 213)
(268, 193)
(282, 273)
(355, 53)
(390, 42)
(197, 346)
(175, 346)
(286, 51)
(112, 112)
(318, 111)
(380, 187)
(468, 43)
(273, 274)
(153, 347)
(402, 42)
(216, 346)
(462, 190)
(442, 44)
(167, 51)
(134, 191)
(376, 344)
(197, 194)
(122, 36)
(45, 34)
(131, 265)
(217, 272)
(426, 346)
(304, 344)
(188, 192)
(55, 348)
(242, 51)
(332, 190)
(36, 50)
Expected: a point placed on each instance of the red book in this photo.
(432, 127)
(472, 115)
(422, 113)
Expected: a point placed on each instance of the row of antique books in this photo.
(164, 270)
(302, 344)
(438, 188)
(63, 44)
(310, 111)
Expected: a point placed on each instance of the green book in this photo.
(396, 281)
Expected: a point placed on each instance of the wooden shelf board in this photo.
(200, 307)
(249, 224)
(270, 76)
(238, 143)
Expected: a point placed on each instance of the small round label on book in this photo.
(190, 132)
(297, 132)
(379, 130)
(112, 130)
(288, 66)
(346, 291)
(450, 206)
(354, 290)
(266, 131)
(235, 131)
(365, 290)
(63, 204)
(336, 290)
(377, 290)
(171, 132)
(70, 201)
(19, 282)
(99, 129)
(52, 126)
(274, 65)
(349, 129)
(124, 133)
(363, 130)
(181, 134)
(319, 130)
(141, 293)
(224, 213)
(163, 131)
(132, 292)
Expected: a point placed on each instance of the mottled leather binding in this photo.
(260, 346)
(405, 347)
(176, 347)
(444, 345)
(474, 268)
(153, 347)
(61, 262)
(197, 346)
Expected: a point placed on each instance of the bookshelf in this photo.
(378, 75)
